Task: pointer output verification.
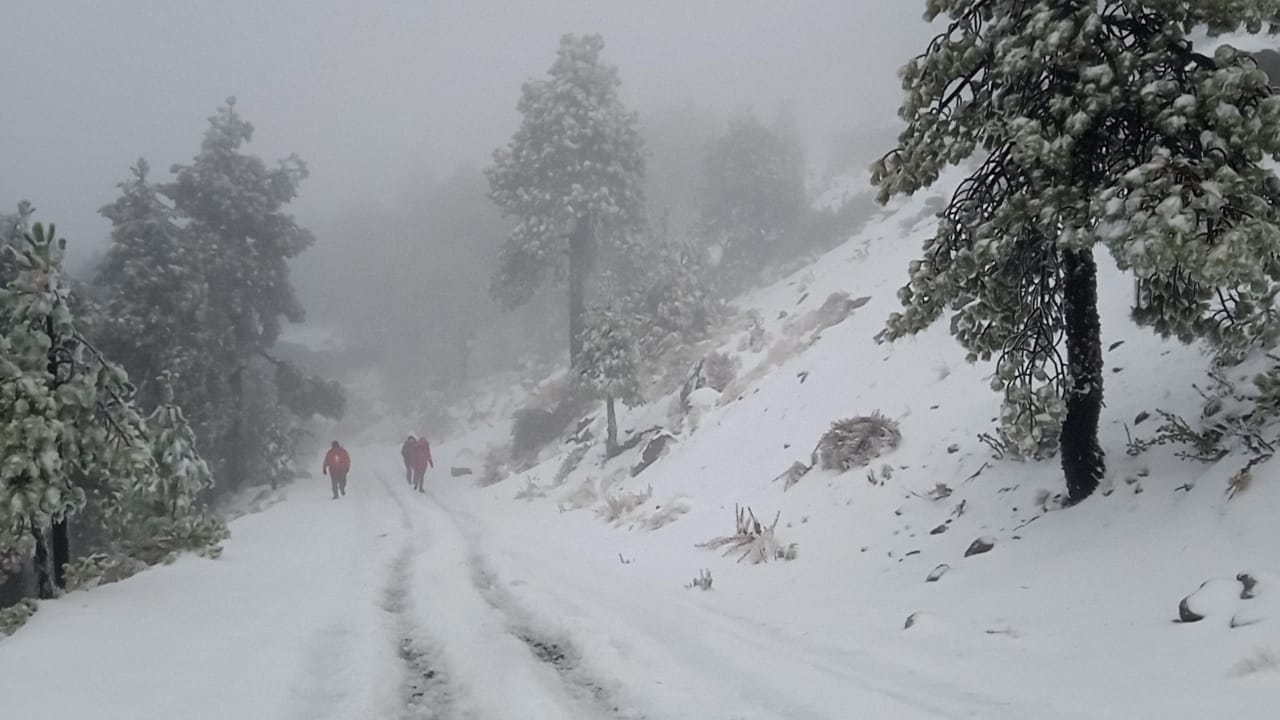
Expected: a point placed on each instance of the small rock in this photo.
(1214, 597)
(1250, 583)
(911, 620)
(980, 546)
(1140, 417)
(953, 448)
(939, 530)
(937, 572)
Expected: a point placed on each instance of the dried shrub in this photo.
(856, 441)
(702, 582)
(756, 542)
(530, 490)
(570, 463)
(617, 506)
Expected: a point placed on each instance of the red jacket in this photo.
(337, 460)
(420, 455)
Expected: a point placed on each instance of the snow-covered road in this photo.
(391, 604)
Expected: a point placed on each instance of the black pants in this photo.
(417, 478)
(408, 474)
(339, 480)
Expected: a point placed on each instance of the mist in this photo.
(396, 108)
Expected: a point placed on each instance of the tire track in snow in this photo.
(554, 649)
(425, 690)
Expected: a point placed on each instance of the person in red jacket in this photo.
(406, 452)
(419, 461)
(337, 463)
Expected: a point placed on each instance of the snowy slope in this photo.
(469, 602)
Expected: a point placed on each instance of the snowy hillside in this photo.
(561, 591)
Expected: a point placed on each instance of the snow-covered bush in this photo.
(531, 490)
(856, 441)
(90, 571)
(618, 505)
(718, 370)
(667, 513)
(570, 463)
(15, 616)
(496, 466)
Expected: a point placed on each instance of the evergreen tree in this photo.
(610, 364)
(66, 415)
(152, 293)
(181, 474)
(196, 282)
(1093, 123)
(573, 171)
(13, 228)
(669, 283)
(754, 196)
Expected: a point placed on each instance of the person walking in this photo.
(337, 463)
(419, 461)
(406, 453)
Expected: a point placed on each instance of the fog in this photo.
(396, 105)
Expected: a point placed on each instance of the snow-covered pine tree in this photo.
(754, 196)
(67, 419)
(197, 280)
(164, 514)
(610, 364)
(1092, 123)
(671, 285)
(572, 175)
(13, 227)
(152, 293)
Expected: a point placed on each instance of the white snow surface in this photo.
(467, 603)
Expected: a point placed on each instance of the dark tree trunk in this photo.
(579, 250)
(234, 448)
(61, 553)
(44, 578)
(1082, 458)
(611, 436)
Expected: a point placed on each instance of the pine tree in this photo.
(1092, 123)
(670, 284)
(196, 282)
(153, 294)
(67, 420)
(754, 195)
(181, 474)
(573, 171)
(13, 228)
(610, 364)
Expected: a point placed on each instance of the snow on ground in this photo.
(470, 603)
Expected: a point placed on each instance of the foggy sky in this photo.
(371, 92)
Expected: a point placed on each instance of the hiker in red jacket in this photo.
(406, 452)
(419, 461)
(337, 463)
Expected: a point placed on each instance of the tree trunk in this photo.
(611, 436)
(61, 553)
(1082, 457)
(234, 448)
(579, 249)
(44, 578)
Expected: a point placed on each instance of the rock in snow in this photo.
(980, 546)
